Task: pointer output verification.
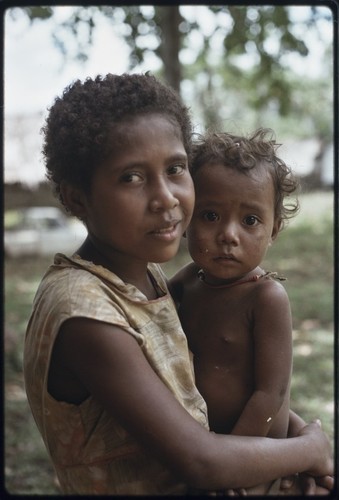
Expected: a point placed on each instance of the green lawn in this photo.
(303, 253)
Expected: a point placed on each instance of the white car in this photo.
(41, 231)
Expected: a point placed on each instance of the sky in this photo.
(35, 73)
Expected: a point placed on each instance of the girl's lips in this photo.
(165, 226)
(167, 232)
(164, 230)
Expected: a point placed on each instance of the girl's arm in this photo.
(111, 366)
(272, 364)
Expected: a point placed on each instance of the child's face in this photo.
(233, 221)
(142, 197)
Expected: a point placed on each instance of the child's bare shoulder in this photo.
(269, 289)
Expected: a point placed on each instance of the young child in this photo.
(236, 316)
(106, 362)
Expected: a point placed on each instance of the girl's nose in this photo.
(163, 197)
(228, 234)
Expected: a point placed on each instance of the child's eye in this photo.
(211, 216)
(251, 220)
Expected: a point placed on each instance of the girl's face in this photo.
(233, 221)
(142, 197)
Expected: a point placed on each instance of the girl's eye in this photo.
(176, 169)
(251, 220)
(131, 177)
(211, 216)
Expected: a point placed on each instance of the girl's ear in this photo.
(74, 199)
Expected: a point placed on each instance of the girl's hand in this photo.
(304, 484)
(316, 485)
(323, 466)
(241, 492)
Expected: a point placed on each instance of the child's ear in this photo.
(74, 199)
(276, 228)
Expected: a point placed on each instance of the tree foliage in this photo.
(227, 38)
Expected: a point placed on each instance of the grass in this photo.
(303, 253)
(28, 469)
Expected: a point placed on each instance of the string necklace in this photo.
(255, 277)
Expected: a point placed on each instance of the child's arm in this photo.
(273, 360)
(112, 367)
(295, 424)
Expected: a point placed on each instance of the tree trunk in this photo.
(314, 180)
(169, 19)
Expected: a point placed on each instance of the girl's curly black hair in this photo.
(77, 129)
(258, 150)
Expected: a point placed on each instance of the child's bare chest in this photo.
(218, 324)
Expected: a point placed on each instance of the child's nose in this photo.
(229, 234)
(163, 197)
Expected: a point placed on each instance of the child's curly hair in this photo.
(258, 150)
(77, 129)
